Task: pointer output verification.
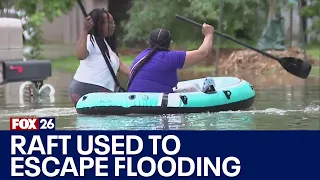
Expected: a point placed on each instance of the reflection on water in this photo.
(282, 102)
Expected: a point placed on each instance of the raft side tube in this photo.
(231, 94)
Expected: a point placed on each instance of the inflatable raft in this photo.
(230, 93)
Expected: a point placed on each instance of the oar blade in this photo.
(296, 66)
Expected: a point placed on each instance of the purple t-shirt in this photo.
(159, 73)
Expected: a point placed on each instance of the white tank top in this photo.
(94, 69)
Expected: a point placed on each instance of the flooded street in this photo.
(282, 102)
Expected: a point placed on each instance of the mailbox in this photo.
(31, 70)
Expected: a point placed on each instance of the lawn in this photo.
(315, 71)
(314, 51)
(70, 64)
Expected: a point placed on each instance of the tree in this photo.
(312, 11)
(238, 15)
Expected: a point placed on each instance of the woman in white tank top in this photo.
(93, 74)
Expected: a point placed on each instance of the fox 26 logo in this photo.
(41, 123)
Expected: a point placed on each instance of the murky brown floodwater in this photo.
(282, 102)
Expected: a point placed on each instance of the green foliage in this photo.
(236, 13)
(146, 15)
(35, 12)
(313, 11)
(246, 15)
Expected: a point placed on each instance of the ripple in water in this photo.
(70, 111)
(275, 111)
(227, 120)
(56, 112)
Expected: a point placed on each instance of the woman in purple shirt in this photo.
(155, 68)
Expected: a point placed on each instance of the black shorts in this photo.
(78, 89)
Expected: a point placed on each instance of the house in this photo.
(67, 28)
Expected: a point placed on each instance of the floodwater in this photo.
(283, 102)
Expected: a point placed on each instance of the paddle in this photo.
(100, 44)
(293, 65)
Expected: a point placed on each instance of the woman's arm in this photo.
(202, 53)
(81, 47)
(124, 69)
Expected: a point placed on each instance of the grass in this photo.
(71, 63)
(224, 44)
(315, 71)
(127, 59)
(314, 50)
(68, 64)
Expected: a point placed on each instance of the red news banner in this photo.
(40, 123)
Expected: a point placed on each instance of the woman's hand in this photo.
(81, 48)
(88, 24)
(207, 29)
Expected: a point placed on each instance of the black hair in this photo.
(159, 40)
(97, 29)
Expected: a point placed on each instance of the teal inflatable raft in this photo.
(230, 93)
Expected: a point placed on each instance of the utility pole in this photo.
(302, 31)
(218, 38)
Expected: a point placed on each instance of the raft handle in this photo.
(184, 99)
(227, 93)
(131, 97)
